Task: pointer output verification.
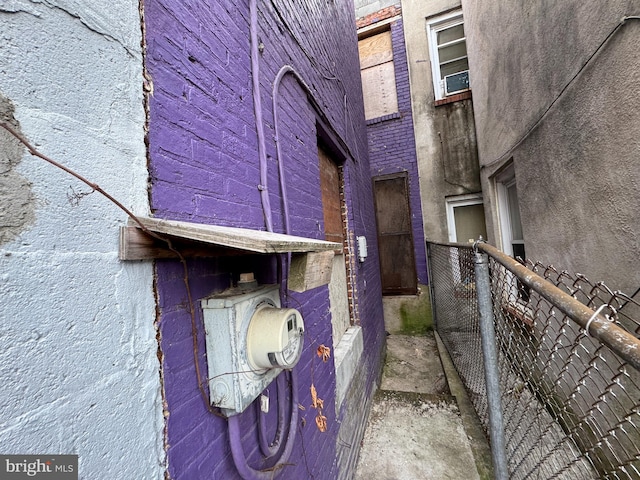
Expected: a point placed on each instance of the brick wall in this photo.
(204, 168)
(380, 15)
(392, 145)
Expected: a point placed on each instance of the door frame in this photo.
(413, 289)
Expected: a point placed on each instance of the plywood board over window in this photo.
(378, 75)
(331, 202)
(334, 228)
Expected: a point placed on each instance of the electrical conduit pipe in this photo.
(237, 451)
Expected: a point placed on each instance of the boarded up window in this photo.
(378, 75)
(331, 203)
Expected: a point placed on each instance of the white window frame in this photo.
(511, 296)
(504, 218)
(451, 204)
(459, 201)
(434, 26)
(503, 182)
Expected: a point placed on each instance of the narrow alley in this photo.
(320, 240)
(421, 424)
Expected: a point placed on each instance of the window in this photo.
(509, 215)
(332, 205)
(465, 218)
(448, 49)
(510, 224)
(378, 75)
(466, 223)
(348, 343)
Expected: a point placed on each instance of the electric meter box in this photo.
(249, 340)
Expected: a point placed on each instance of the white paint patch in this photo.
(347, 356)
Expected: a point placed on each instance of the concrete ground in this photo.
(416, 429)
(413, 365)
(415, 437)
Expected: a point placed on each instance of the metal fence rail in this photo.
(568, 355)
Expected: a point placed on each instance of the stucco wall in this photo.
(577, 169)
(77, 342)
(204, 168)
(445, 135)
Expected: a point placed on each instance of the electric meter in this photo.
(249, 340)
(274, 339)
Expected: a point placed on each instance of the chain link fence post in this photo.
(491, 371)
(432, 291)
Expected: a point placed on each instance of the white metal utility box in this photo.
(249, 340)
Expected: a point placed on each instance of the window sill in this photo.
(347, 356)
(453, 98)
(384, 118)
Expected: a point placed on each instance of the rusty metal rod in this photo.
(621, 342)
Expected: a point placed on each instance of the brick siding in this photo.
(392, 145)
(204, 168)
(380, 15)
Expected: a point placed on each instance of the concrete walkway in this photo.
(418, 429)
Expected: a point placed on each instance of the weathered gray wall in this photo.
(445, 135)
(16, 199)
(578, 170)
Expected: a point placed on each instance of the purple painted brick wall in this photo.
(204, 168)
(392, 146)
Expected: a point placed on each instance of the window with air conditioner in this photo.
(448, 50)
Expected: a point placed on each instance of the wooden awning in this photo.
(196, 239)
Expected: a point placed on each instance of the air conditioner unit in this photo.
(457, 82)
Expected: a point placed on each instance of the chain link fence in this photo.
(569, 383)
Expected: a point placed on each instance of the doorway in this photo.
(395, 234)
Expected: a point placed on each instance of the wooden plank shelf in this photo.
(195, 239)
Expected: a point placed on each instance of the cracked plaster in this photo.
(16, 197)
(77, 341)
